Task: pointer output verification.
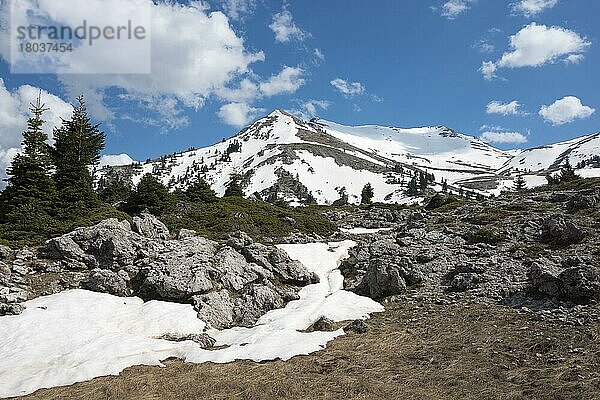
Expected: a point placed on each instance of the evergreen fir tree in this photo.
(30, 185)
(114, 188)
(78, 143)
(343, 200)
(445, 186)
(567, 173)
(234, 188)
(423, 182)
(151, 195)
(200, 191)
(367, 194)
(520, 184)
(413, 187)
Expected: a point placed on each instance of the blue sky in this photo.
(402, 63)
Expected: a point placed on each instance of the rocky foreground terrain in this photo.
(229, 284)
(536, 252)
(497, 298)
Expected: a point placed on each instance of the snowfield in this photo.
(78, 335)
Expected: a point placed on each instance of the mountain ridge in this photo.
(299, 161)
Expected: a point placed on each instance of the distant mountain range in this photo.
(303, 161)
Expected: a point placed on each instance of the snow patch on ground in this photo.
(78, 335)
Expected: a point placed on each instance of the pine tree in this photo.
(150, 195)
(200, 191)
(567, 173)
(367, 194)
(445, 186)
(413, 187)
(78, 143)
(114, 188)
(234, 188)
(423, 182)
(520, 183)
(343, 200)
(30, 185)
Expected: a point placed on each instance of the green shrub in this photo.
(486, 235)
(259, 219)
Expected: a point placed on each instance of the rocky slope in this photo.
(304, 161)
(229, 284)
(537, 252)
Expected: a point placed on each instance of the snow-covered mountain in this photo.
(302, 161)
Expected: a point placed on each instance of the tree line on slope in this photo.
(50, 191)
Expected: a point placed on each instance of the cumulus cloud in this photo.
(565, 110)
(348, 88)
(238, 114)
(239, 111)
(14, 111)
(536, 45)
(511, 108)
(194, 53)
(285, 28)
(503, 137)
(453, 8)
(287, 81)
(531, 8)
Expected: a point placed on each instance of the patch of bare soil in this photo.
(410, 352)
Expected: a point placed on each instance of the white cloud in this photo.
(531, 8)
(194, 54)
(488, 69)
(285, 28)
(169, 114)
(238, 114)
(114, 160)
(245, 92)
(536, 45)
(503, 137)
(310, 108)
(318, 53)
(238, 9)
(574, 59)
(453, 8)
(14, 111)
(484, 46)
(287, 81)
(565, 110)
(497, 107)
(348, 88)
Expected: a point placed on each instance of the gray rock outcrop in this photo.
(229, 284)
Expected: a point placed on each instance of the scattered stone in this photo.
(186, 233)
(105, 281)
(559, 231)
(357, 326)
(11, 309)
(203, 339)
(324, 324)
(5, 252)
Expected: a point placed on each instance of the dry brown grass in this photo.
(433, 352)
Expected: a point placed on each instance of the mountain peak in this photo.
(282, 156)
